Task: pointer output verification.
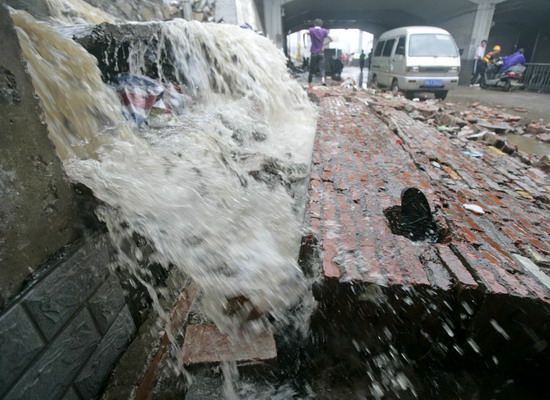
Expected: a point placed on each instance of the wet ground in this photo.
(531, 106)
(536, 104)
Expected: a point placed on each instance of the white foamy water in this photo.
(185, 186)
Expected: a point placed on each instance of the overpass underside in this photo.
(509, 23)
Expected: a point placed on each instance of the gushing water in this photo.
(185, 187)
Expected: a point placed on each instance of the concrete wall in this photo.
(460, 28)
(239, 12)
(63, 334)
(38, 214)
(226, 10)
(505, 36)
(542, 52)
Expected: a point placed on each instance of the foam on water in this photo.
(183, 187)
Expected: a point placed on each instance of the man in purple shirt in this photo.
(317, 35)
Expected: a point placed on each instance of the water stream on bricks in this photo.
(183, 185)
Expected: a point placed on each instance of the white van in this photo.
(416, 58)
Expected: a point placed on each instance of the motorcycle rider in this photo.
(513, 59)
(491, 59)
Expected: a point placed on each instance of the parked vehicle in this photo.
(416, 59)
(511, 78)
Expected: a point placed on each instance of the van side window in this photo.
(379, 48)
(400, 49)
(388, 48)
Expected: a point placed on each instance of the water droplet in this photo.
(499, 329)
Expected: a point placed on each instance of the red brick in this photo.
(415, 270)
(206, 344)
(473, 224)
(498, 269)
(330, 249)
(453, 263)
(477, 264)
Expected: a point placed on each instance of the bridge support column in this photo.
(273, 18)
(227, 10)
(483, 21)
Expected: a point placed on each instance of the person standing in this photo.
(479, 65)
(362, 60)
(317, 35)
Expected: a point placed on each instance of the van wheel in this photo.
(395, 87)
(441, 95)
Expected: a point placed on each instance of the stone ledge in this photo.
(206, 344)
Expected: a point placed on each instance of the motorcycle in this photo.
(506, 80)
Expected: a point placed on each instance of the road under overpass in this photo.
(509, 23)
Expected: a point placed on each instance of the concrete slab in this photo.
(206, 344)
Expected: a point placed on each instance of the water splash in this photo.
(186, 188)
(81, 112)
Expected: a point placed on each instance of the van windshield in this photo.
(432, 45)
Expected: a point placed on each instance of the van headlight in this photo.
(413, 69)
(456, 70)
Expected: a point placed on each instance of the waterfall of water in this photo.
(185, 186)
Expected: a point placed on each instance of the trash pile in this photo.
(144, 100)
(480, 123)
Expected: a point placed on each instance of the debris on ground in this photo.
(474, 207)
(476, 123)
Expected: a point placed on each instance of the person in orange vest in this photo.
(490, 60)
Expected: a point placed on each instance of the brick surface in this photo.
(368, 152)
(20, 342)
(206, 344)
(485, 269)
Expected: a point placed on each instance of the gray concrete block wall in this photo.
(61, 337)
